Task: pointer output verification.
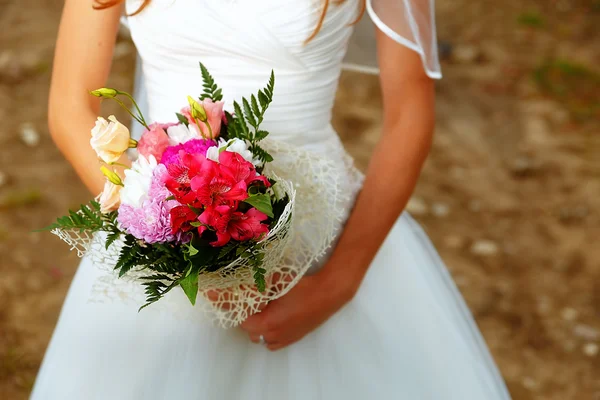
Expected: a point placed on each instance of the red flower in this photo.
(225, 183)
(247, 226)
(216, 218)
(181, 175)
(235, 166)
(214, 190)
(218, 190)
(229, 224)
(181, 217)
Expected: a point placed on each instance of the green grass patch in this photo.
(19, 198)
(576, 86)
(531, 19)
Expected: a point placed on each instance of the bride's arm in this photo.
(82, 63)
(408, 98)
(408, 106)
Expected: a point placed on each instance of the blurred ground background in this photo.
(510, 194)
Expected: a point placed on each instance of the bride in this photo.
(379, 319)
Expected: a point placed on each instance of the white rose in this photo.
(235, 146)
(180, 133)
(110, 139)
(137, 181)
(110, 198)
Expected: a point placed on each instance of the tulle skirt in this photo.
(407, 334)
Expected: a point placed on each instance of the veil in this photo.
(410, 23)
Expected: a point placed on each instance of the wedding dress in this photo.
(407, 334)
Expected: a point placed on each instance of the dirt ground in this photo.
(509, 194)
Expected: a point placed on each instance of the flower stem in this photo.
(130, 113)
(210, 132)
(143, 121)
(119, 164)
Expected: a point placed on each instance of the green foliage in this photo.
(248, 117)
(156, 286)
(262, 202)
(182, 119)
(227, 249)
(211, 90)
(111, 238)
(254, 255)
(129, 256)
(189, 284)
(87, 218)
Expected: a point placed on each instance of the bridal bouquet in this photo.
(197, 209)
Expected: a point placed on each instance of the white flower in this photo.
(137, 181)
(235, 146)
(109, 139)
(110, 198)
(180, 133)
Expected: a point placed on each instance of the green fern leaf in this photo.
(227, 249)
(271, 84)
(245, 132)
(260, 135)
(255, 108)
(263, 99)
(259, 278)
(111, 238)
(248, 113)
(211, 90)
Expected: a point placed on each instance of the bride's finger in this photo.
(254, 338)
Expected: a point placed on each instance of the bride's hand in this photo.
(304, 308)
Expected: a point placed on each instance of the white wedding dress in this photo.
(406, 335)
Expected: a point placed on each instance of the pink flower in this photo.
(194, 146)
(239, 169)
(236, 225)
(181, 174)
(216, 218)
(152, 220)
(153, 142)
(214, 113)
(247, 226)
(217, 185)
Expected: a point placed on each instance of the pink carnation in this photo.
(195, 146)
(152, 221)
(154, 141)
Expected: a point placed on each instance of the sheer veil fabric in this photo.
(408, 22)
